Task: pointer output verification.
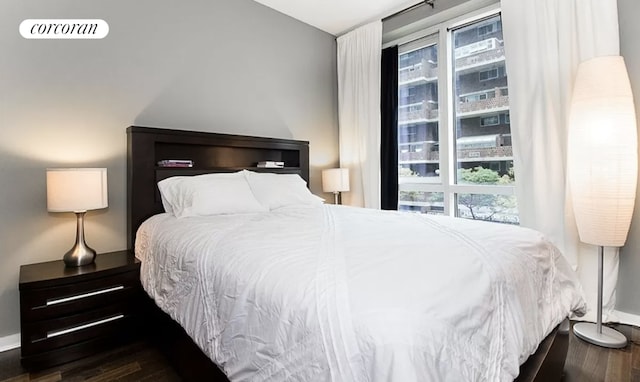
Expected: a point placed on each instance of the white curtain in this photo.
(359, 54)
(545, 40)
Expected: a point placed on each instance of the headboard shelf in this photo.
(229, 169)
(167, 172)
(210, 153)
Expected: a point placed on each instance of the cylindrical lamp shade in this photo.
(76, 189)
(335, 180)
(602, 156)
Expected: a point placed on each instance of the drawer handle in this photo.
(84, 326)
(84, 295)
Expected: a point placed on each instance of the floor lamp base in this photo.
(609, 338)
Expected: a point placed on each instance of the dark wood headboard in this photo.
(210, 153)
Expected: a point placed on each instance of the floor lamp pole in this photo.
(600, 287)
(596, 333)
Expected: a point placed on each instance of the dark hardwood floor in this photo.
(141, 361)
(586, 362)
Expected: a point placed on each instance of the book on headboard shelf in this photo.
(175, 163)
(271, 164)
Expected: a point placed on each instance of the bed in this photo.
(312, 292)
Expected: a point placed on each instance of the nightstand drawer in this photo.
(41, 304)
(71, 312)
(55, 333)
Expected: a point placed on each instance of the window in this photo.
(478, 96)
(457, 163)
(485, 29)
(490, 121)
(488, 74)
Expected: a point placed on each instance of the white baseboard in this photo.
(628, 318)
(10, 342)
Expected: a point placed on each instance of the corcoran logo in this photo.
(64, 29)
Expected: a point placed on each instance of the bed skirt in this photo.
(191, 364)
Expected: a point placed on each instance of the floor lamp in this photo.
(602, 167)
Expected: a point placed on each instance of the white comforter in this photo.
(333, 293)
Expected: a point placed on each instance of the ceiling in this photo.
(337, 16)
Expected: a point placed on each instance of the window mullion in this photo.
(444, 94)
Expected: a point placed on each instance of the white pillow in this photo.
(176, 189)
(280, 190)
(209, 194)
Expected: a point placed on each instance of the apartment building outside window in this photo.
(454, 136)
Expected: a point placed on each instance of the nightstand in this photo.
(70, 313)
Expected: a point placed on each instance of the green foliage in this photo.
(481, 175)
(485, 206)
(479, 206)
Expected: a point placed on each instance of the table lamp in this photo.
(602, 166)
(77, 190)
(335, 180)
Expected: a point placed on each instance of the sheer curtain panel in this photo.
(359, 55)
(545, 40)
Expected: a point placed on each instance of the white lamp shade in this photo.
(602, 156)
(76, 189)
(335, 180)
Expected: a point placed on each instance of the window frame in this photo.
(446, 181)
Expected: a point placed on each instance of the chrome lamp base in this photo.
(598, 334)
(607, 337)
(81, 253)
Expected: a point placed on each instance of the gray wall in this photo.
(628, 298)
(229, 66)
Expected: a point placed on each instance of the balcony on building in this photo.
(487, 101)
(419, 112)
(479, 54)
(418, 152)
(484, 148)
(420, 72)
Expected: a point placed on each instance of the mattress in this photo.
(336, 293)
